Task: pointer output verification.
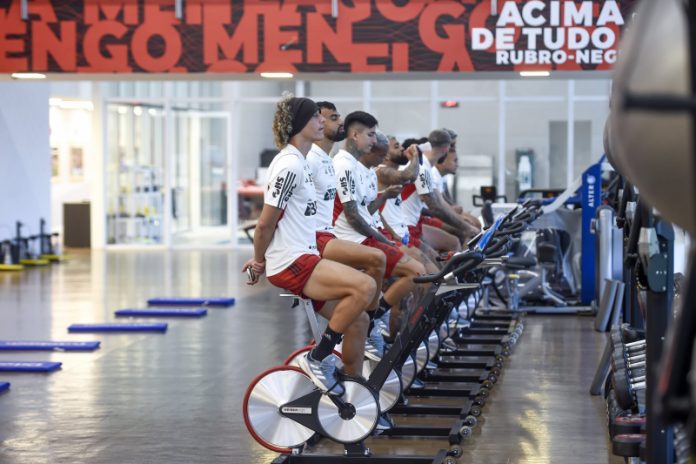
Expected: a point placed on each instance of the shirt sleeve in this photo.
(282, 182)
(345, 180)
(424, 182)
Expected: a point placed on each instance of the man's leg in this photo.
(471, 219)
(353, 352)
(440, 240)
(358, 256)
(354, 290)
(428, 251)
(406, 269)
(335, 281)
(419, 256)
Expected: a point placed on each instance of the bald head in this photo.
(382, 144)
(378, 153)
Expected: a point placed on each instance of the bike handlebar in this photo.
(463, 261)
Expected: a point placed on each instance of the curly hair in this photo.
(282, 121)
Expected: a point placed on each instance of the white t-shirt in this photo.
(352, 184)
(412, 204)
(394, 215)
(372, 194)
(324, 178)
(290, 188)
(438, 180)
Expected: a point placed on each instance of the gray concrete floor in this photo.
(177, 397)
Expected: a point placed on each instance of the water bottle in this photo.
(405, 239)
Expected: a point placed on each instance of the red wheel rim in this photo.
(245, 411)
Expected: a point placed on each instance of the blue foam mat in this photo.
(29, 366)
(162, 312)
(119, 327)
(191, 302)
(23, 345)
(4, 386)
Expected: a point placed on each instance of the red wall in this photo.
(143, 36)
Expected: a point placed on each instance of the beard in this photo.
(338, 136)
(399, 159)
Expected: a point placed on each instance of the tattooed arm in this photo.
(461, 228)
(389, 229)
(389, 176)
(390, 192)
(357, 222)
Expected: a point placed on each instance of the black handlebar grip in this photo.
(461, 260)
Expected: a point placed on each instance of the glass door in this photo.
(200, 183)
(134, 184)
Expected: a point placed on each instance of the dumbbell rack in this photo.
(660, 293)
(649, 264)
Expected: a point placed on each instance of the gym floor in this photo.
(177, 397)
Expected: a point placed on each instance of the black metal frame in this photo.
(432, 311)
(671, 398)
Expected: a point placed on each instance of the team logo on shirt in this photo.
(330, 194)
(425, 180)
(347, 183)
(283, 188)
(308, 177)
(397, 201)
(311, 208)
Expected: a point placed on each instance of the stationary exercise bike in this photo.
(283, 408)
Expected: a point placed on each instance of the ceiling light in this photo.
(535, 73)
(277, 75)
(28, 75)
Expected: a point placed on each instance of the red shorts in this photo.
(295, 277)
(413, 242)
(431, 221)
(416, 231)
(322, 239)
(392, 253)
(387, 234)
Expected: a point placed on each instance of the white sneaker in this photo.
(323, 373)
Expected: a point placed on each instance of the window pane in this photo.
(403, 120)
(401, 89)
(476, 125)
(533, 132)
(468, 88)
(592, 87)
(536, 88)
(331, 89)
(595, 115)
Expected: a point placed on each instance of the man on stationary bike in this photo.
(357, 201)
(285, 242)
(358, 256)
